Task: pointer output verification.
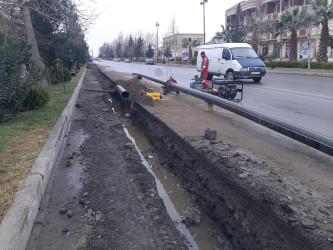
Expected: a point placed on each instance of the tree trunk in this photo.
(323, 43)
(29, 31)
(293, 46)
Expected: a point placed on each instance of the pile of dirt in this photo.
(113, 199)
(134, 86)
(101, 195)
(257, 202)
(249, 200)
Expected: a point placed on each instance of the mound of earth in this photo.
(263, 189)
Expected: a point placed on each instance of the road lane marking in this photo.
(281, 91)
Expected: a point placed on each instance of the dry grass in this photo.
(16, 161)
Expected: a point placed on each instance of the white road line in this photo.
(281, 91)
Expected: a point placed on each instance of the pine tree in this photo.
(150, 52)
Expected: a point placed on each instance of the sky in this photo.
(131, 16)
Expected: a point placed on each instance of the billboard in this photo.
(287, 50)
(304, 50)
(185, 56)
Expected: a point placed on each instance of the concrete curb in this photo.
(15, 228)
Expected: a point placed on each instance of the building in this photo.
(175, 43)
(278, 47)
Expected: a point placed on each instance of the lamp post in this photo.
(157, 24)
(203, 2)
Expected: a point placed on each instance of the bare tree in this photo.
(173, 29)
(150, 38)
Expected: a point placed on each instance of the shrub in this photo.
(37, 97)
(179, 60)
(15, 79)
(193, 60)
(59, 75)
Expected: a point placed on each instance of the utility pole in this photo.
(203, 2)
(157, 24)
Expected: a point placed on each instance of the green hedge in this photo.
(303, 65)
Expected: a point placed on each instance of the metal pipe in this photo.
(122, 92)
(308, 137)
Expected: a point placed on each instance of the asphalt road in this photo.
(306, 101)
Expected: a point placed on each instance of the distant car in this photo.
(149, 61)
(117, 59)
(171, 59)
(127, 60)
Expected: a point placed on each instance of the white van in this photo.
(233, 60)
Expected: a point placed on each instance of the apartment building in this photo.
(175, 42)
(278, 47)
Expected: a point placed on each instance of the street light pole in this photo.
(203, 2)
(157, 24)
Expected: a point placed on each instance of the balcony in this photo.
(271, 17)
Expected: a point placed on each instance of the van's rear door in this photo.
(223, 62)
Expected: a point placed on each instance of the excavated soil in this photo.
(261, 189)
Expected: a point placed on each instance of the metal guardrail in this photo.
(305, 136)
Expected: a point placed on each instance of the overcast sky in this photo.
(131, 16)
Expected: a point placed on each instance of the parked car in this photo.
(127, 60)
(149, 61)
(171, 59)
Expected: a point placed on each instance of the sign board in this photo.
(287, 50)
(304, 50)
(185, 56)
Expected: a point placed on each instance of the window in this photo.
(226, 54)
(243, 53)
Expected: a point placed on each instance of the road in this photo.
(306, 101)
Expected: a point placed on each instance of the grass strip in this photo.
(23, 137)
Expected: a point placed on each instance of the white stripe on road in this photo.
(298, 93)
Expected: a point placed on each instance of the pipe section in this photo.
(122, 92)
(308, 137)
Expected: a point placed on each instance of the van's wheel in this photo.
(210, 76)
(230, 76)
(257, 79)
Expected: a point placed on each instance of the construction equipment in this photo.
(167, 86)
(154, 95)
(227, 89)
(197, 82)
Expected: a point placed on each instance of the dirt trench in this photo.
(249, 200)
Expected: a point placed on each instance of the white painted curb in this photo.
(16, 227)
